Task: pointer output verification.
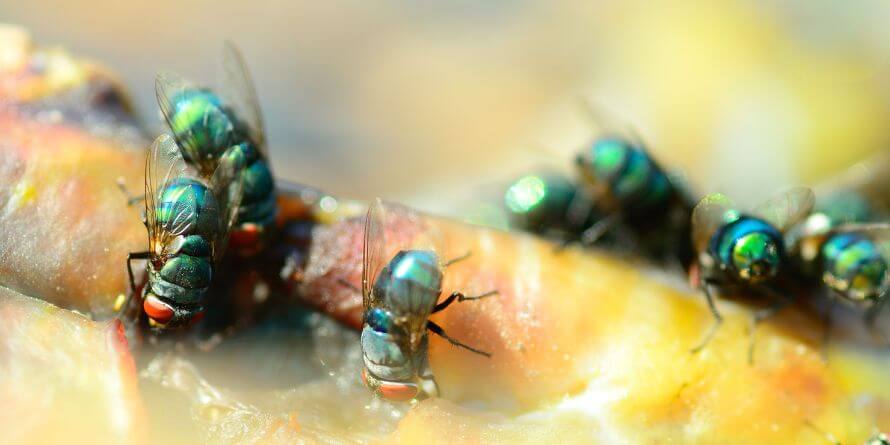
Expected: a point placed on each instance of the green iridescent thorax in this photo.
(201, 124)
(628, 172)
(633, 180)
(539, 200)
(186, 206)
(853, 266)
(608, 157)
(750, 247)
(410, 284)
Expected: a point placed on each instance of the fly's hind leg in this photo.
(779, 302)
(436, 329)
(593, 233)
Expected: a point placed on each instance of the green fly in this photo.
(207, 124)
(188, 220)
(620, 189)
(548, 203)
(399, 294)
(745, 250)
(844, 245)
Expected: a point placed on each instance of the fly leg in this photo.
(460, 297)
(871, 316)
(825, 435)
(123, 305)
(348, 285)
(130, 257)
(593, 233)
(131, 199)
(428, 385)
(779, 302)
(718, 319)
(458, 259)
(826, 329)
(436, 329)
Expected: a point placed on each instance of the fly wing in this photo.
(870, 179)
(708, 215)
(163, 166)
(373, 243)
(608, 124)
(170, 87)
(787, 209)
(240, 93)
(227, 185)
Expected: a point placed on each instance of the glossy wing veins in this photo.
(373, 243)
(164, 165)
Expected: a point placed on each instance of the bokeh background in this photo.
(420, 98)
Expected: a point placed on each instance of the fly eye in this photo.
(379, 320)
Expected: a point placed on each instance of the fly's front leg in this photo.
(871, 316)
(458, 259)
(348, 285)
(458, 296)
(826, 328)
(718, 319)
(122, 305)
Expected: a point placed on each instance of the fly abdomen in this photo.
(174, 294)
(258, 204)
(202, 125)
(633, 179)
(188, 271)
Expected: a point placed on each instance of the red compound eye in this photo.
(399, 392)
(394, 391)
(157, 310)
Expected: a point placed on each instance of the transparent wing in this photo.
(869, 178)
(227, 185)
(240, 93)
(608, 124)
(373, 242)
(708, 215)
(169, 87)
(787, 209)
(163, 166)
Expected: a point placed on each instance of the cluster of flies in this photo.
(791, 244)
(209, 186)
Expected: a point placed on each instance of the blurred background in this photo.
(421, 98)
